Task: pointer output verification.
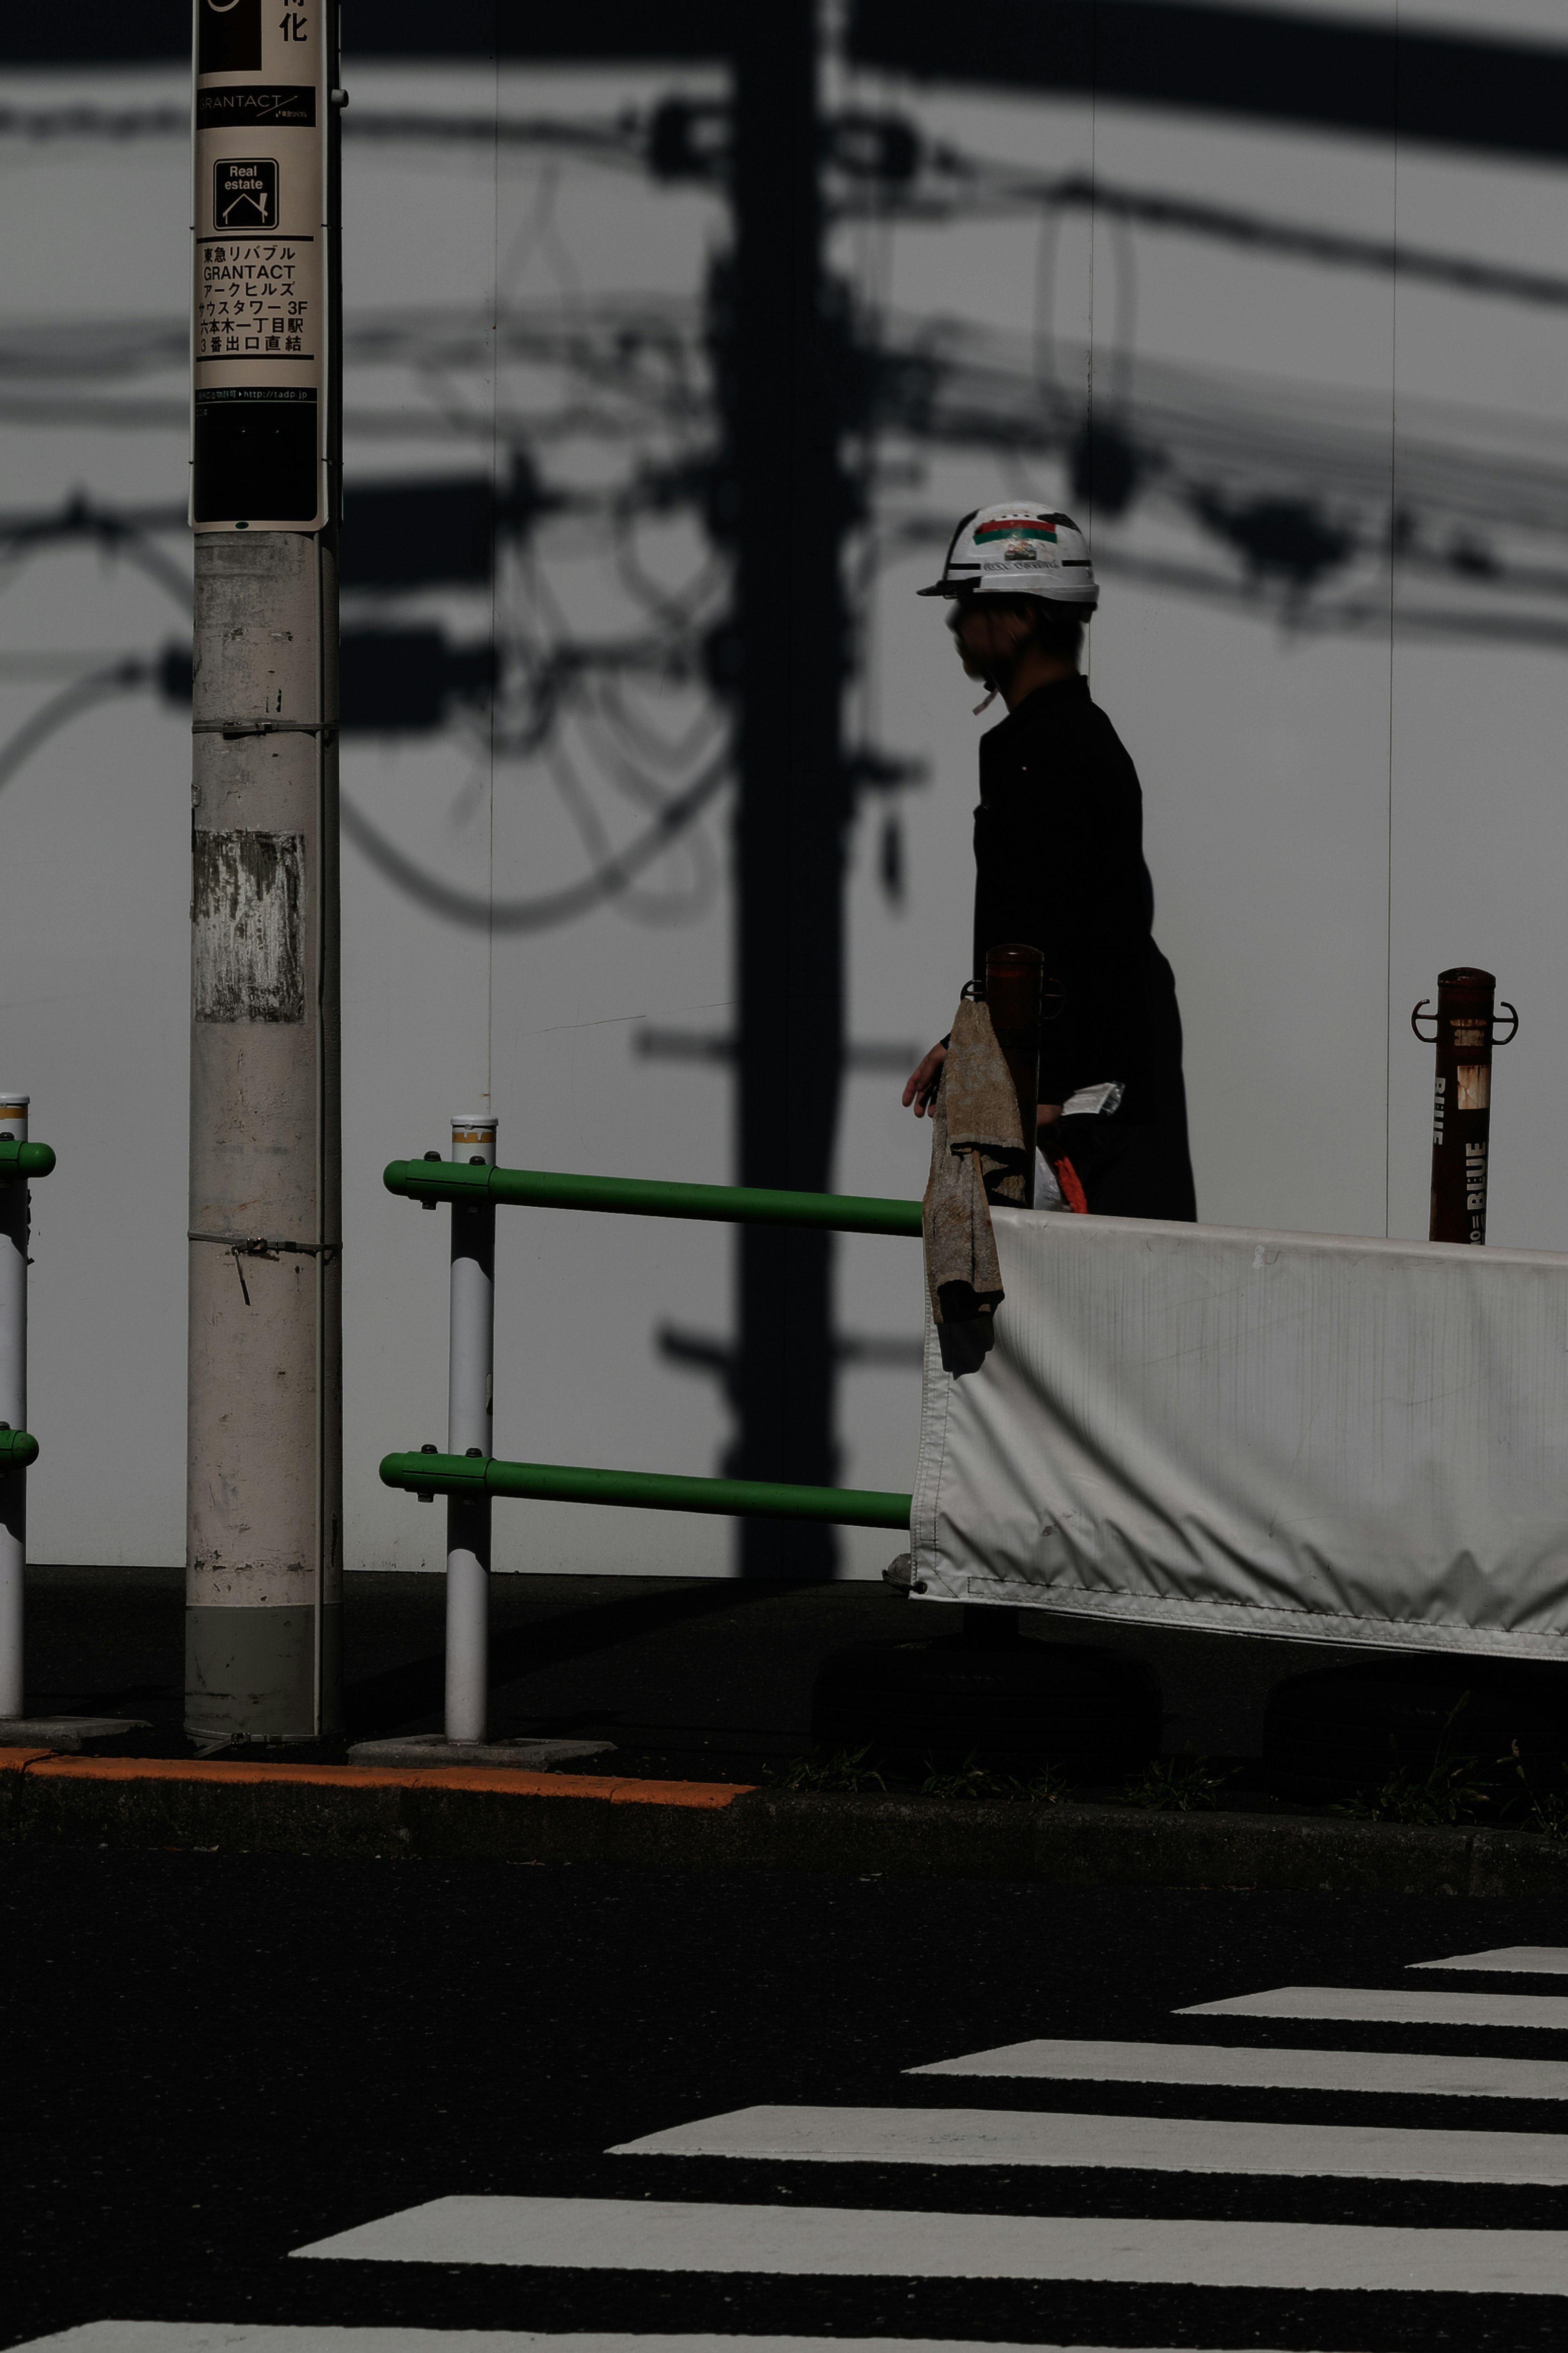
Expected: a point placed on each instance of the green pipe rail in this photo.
(17, 1449)
(428, 1474)
(733, 1205)
(25, 1160)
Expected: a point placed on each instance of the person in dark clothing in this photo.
(1058, 859)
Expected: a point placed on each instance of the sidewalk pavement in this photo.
(687, 1677)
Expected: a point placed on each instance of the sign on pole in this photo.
(260, 429)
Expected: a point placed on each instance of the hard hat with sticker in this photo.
(1018, 550)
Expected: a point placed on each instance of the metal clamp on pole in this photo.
(244, 1246)
(470, 1397)
(1464, 1032)
(230, 729)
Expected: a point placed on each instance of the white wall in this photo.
(1344, 792)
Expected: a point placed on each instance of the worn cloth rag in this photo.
(976, 1157)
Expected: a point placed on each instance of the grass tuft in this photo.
(975, 1779)
(1176, 1784)
(846, 1770)
(1449, 1791)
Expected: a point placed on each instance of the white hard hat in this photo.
(1018, 550)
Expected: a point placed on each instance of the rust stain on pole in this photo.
(1465, 1033)
(1015, 986)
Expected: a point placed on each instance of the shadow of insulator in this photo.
(1107, 466)
(405, 681)
(1284, 539)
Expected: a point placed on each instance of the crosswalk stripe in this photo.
(1131, 2144)
(1421, 2072)
(1371, 2003)
(260, 2337)
(1525, 1960)
(836, 2241)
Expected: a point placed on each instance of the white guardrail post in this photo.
(468, 1432)
(14, 1230)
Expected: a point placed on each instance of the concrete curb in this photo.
(505, 1815)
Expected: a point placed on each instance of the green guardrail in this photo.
(25, 1160)
(736, 1204)
(429, 1474)
(17, 1448)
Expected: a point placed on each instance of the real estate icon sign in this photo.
(259, 325)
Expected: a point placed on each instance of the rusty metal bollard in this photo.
(1464, 1031)
(1014, 989)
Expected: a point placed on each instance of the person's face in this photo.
(987, 642)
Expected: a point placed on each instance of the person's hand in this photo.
(1046, 1118)
(920, 1084)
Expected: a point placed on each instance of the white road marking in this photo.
(1522, 1961)
(1295, 2071)
(259, 2337)
(1131, 2144)
(1369, 2002)
(840, 2241)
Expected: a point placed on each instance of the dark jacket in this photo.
(1058, 858)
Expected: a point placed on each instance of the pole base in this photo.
(72, 1735)
(250, 1672)
(434, 1748)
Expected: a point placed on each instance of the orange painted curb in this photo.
(43, 1764)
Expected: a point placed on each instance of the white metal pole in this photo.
(469, 1427)
(13, 1225)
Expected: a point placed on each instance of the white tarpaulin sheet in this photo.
(1360, 1441)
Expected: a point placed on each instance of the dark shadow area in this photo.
(97, 32)
(1021, 1703)
(108, 1642)
(733, 1679)
(440, 533)
(787, 393)
(420, 534)
(1444, 90)
(1339, 1730)
(405, 682)
(399, 1698)
(714, 1674)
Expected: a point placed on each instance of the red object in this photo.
(1072, 1188)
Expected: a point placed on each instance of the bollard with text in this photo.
(264, 1512)
(1464, 1032)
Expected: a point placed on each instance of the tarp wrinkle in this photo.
(1350, 1441)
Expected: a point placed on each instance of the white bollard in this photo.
(14, 1231)
(468, 1428)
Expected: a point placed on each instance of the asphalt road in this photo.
(214, 2060)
